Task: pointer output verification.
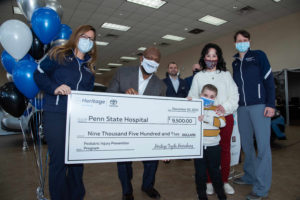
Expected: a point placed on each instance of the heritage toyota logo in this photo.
(113, 103)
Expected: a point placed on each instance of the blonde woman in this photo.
(65, 68)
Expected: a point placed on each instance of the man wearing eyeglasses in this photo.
(140, 80)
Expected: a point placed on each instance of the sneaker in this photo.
(209, 189)
(253, 196)
(239, 181)
(228, 188)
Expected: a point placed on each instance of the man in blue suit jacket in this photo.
(176, 87)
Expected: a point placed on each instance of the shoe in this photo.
(167, 161)
(240, 181)
(152, 193)
(127, 197)
(228, 188)
(253, 196)
(209, 189)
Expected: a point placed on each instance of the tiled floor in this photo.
(175, 181)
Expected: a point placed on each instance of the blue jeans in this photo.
(257, 167)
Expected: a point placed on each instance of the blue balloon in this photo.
(64, 32)
(9, 62)
(37, 103)
(23, 78)
(45, 23)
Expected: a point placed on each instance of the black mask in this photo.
(196, 71)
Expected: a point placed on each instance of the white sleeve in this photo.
(194, 91)
(213, 119)
(231, 103)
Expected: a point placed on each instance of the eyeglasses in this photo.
(87, 37)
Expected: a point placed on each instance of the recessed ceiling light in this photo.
(104, 69)
(276, 1)
(149, 3)
(142, 48)
(128, 58)
(115, 26)
(101, 43)
(99, 73)
(17, 10)
(173, 37)
(212, 20)
(114, 64)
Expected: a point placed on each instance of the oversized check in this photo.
(107, 127)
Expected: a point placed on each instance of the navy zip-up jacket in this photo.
(72, 72)
(254, 78)
(182, 89)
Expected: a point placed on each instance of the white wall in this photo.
(279, 39)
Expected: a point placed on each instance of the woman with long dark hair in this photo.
(65, 68)
(214, 72)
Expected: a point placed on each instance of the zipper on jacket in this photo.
(243, 84)
(259, 91)
(80, 74)
(57, 100)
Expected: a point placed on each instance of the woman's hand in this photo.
(189, 98)
(62, 90)
(269, 112)
(220, 110)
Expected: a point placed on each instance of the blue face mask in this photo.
(85, 45)
(207, 102)
(242, 46)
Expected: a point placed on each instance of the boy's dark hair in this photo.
(244, 33)
(210, 87)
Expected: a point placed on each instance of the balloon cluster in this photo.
(24, 46)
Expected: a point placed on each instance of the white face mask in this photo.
(150, 66)
(85, 45)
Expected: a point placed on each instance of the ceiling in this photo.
(148, 25)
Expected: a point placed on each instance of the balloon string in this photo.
(35, 152)
(35, 118)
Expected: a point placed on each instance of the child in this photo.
(212, 151)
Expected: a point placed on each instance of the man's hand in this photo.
(269, 112)
(62, 90)
(189, 98)
(131, 91)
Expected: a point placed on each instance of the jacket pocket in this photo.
(258, 90)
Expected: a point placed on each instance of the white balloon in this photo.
(28, 6)
(56, 6)
(16, 38)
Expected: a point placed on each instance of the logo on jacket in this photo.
(250, 59)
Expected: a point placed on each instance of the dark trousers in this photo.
(211, 161)
(125, 175)
(65, 181)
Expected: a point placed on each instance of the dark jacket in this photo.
(72, 72)
(182, 91)
(128, 77)
(254, 78)
(189, 81)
